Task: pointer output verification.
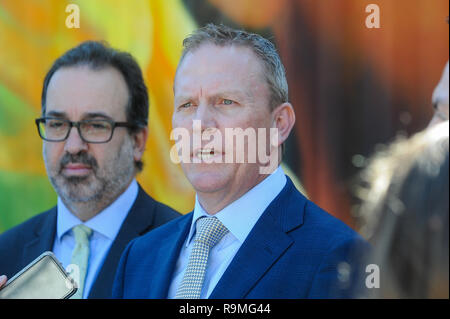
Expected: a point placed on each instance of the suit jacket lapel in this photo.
(265, 244)
(260, 250)
(167, 257)
(138, 221)
(42, 237)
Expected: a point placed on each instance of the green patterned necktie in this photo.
(80, 256)
(209, 232)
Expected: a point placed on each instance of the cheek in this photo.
(244, 121)
(102, 153)
(52, 152)
(181, 121)
(445, 110)
(119, 152)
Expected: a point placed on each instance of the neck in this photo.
(85, 210)
(214, 202)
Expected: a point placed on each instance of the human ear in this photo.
(284, 120)
(139, 141)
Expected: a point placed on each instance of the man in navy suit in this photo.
(94, 127)
(251, 234)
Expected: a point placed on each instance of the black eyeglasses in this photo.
(90, 131)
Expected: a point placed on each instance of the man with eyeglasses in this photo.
(94, 131)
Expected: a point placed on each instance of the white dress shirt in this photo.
(239, 218)
(105, 226)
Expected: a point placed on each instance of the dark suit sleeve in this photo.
(341, 271)
(118, 284)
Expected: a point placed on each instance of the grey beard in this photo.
(98, 189)
(70, 192)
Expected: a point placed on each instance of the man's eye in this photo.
(227, 102)
(97, 125)
(55, 124)
(186, 105)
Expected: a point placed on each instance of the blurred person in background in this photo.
(94, 126)
(404, 215)
(440, 99)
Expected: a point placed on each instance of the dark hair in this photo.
(265, 50)
(98, 55)
(406, 215)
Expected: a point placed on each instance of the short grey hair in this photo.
(222, 35)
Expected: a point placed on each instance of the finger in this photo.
(3, 280)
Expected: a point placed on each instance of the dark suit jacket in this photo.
(25, 242)
(295, 250)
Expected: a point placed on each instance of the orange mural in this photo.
(352, 88)
(32, 35)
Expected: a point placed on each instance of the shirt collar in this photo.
(240, 216)
(107, 222)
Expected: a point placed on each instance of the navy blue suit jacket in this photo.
(25, 242)
(293, 251)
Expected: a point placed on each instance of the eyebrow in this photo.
(95, 115)
(221, 94)
(90, 115)
(231, 92)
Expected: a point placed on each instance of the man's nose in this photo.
(205, 114)
(74, 144)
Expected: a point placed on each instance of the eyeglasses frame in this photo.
(77, 125)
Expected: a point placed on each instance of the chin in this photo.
(77, 188)
(209, 181)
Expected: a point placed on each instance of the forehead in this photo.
(80, 90)
(215, 67)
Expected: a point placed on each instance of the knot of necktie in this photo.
(210, 231)
(82, 233)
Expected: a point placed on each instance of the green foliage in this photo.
(23, 196)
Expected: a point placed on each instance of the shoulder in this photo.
(332, 241)
(165, 213)
(26, 229)
(315, 228)
(14, 240)
(161, 213)
(169, 231)
(304, 219)
(322, 221)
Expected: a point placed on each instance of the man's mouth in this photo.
(207, 154)
(76, 169)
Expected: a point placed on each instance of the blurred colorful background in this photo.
(352, 88)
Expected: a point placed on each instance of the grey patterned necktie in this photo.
(209, 232)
